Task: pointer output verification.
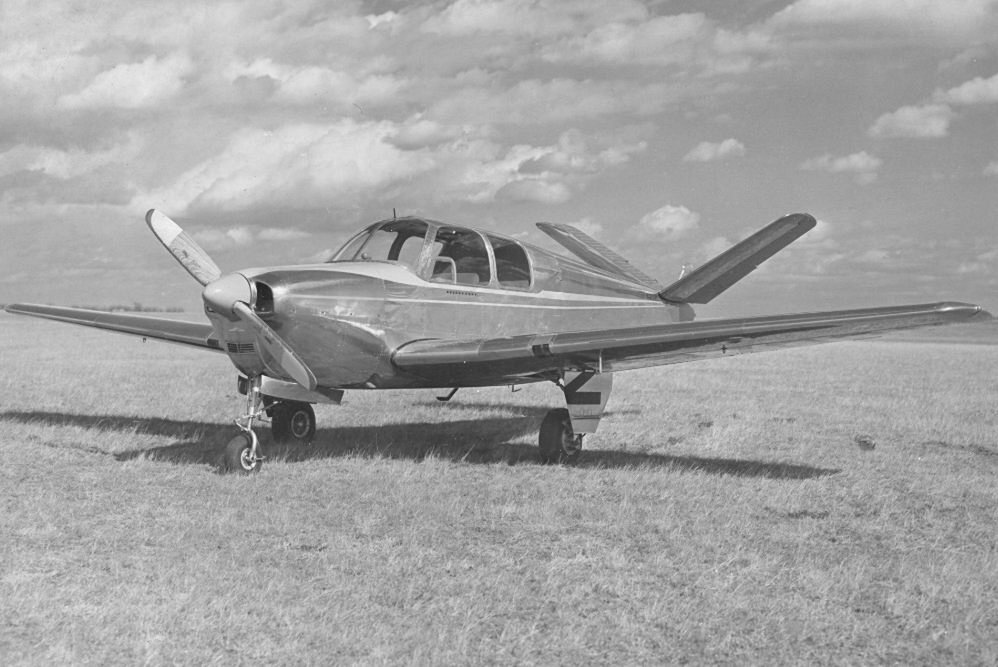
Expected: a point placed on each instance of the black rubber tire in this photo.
(557, 442)
(236, 456)
(292, 422)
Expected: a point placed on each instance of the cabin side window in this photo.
(512, 265)
(460, 257)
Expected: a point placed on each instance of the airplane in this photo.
(410, 302)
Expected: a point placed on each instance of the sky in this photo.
(667, 129)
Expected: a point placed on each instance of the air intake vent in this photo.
(264, 304)
(240, 348)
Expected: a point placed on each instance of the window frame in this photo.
(490, 238)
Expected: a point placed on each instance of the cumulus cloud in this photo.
(706, 151)
(690, 41)
(294, 165)
(862, 165)
(132, 85)
(218, 239)
(660, 41)
(313, 165)
(479, 171)
(975, 91)
(932, 118)
(419, 132)
(927, 121)
(309, 84)
(527, 17)
(983, 264)
(668, 221)
(242, 236)
(954, 19)
(64, 164)
(558, 100)
(281, 234)
(535, 189)
(575, 153)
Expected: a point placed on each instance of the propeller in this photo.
(228, 295)
(183, 248)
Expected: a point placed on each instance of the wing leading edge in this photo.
(531, 356)
(174, 331)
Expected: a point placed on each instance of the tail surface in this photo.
(596, 254)
(720, 273)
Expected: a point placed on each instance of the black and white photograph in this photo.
(499, 332)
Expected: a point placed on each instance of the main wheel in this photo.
(237, 456)
(292, 422)
(558, 443)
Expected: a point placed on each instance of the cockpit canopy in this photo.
(442, 253)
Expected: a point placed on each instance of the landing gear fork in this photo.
(242, 454)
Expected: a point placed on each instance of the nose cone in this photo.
(221, 295)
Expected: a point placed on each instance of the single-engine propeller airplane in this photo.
(414, 303)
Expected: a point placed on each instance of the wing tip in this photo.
(23, 308)
(968, 310)
(803, 221)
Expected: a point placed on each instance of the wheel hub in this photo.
(299, 425)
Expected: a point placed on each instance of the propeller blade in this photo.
(183, 248)
(283, 355)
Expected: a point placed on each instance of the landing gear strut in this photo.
(292, 422)
(242, 453)
(558, 442)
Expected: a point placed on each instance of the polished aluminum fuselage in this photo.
(346, 319)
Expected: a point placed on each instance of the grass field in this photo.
(722, 514)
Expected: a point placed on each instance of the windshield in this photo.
(398, 241)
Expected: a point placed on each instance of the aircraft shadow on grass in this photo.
(481, 441)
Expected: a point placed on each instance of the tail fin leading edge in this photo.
(720, 273)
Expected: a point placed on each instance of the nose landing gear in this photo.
(242, 453)
(291, 422)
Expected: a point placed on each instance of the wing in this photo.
(532, 357)
(174, 331)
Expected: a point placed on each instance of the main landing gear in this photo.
(586, 394)
(290, 422)
(558, 442)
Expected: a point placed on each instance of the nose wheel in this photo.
(242, 454)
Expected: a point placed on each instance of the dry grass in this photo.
(723, 514)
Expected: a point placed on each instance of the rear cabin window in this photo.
(397, 241)
(512, 266)
(460, 257)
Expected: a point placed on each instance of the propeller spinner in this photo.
(229, 295)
